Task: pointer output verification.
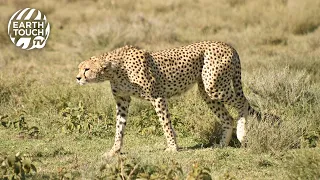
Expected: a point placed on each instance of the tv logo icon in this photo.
(28, 29)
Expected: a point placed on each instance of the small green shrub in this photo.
(146, 122)
(171, 171)
(78, 119)
(21, 125)
(197, 172)
(16, 167)
(126, 169)
(119, 170)
(66, 175)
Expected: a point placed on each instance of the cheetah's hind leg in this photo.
(221, 112)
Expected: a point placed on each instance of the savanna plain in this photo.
(51, 125)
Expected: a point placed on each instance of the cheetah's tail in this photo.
(237, 85)
(273, 119)
(254, 113)
(238, 90)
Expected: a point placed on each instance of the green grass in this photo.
(64, 128)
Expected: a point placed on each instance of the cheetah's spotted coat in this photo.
(156, 76)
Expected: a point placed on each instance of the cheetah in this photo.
(157, 76)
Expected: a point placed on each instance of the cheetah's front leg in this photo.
(122, 111)
(160, 105)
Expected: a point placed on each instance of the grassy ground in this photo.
(65, 128)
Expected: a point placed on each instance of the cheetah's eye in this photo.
(86, 69)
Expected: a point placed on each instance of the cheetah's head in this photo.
(92, 70)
